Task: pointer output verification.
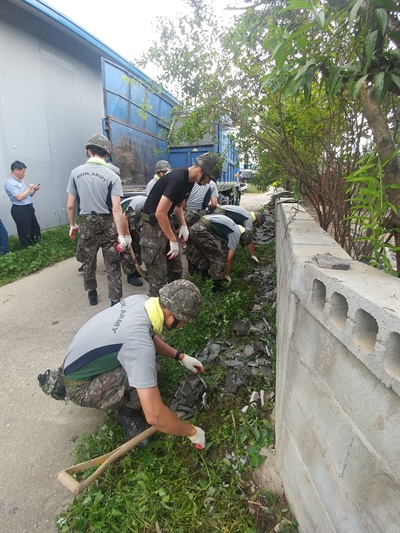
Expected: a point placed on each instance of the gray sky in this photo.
(126, 26)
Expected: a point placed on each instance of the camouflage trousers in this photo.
(206, 251)
(161, 270)
(126, 259)
(93, 236)
(106, 391)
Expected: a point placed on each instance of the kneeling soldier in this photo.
(111, 362)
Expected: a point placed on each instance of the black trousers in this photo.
(27, 225)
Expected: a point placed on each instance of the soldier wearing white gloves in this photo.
(158, 241)
(111, 362)
(94, 193)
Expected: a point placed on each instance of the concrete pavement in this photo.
(39, 315)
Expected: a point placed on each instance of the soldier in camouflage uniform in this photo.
(211, 246)
(167, 196)
(111, 362)
(95, 191)
(247, 219)
(131, 208)
(162, 167)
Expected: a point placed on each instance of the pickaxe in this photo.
(66, 476)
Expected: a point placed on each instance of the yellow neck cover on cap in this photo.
(155, 313)
(253, 216)
(241, 228)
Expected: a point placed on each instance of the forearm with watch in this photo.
(191, 363)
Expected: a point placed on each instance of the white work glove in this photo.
(228, 279)
(72, 231)
(192, 364)
(255, 259)
(121, 245)
(128, 240)
(199, 438)
(183, 234)
(174, 249)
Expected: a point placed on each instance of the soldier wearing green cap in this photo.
(94, 194)
(111, 362)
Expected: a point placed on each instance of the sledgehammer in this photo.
(66, 476)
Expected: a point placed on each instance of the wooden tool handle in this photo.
(65, 476)
(139, 270)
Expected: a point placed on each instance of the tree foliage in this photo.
(307, 88)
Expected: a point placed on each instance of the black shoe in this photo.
(134, 279)
(218, 286)
(80, 269)
(114, 302)
(133, 423)
(92, 295)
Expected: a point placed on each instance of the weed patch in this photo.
(54, 246)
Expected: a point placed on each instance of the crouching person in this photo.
(111, 362)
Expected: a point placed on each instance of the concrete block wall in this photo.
(338, 384)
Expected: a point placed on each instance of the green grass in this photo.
(169, 486)
(55, 246)
(251, 188)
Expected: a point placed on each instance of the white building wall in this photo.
(337, 397)
(51, 102)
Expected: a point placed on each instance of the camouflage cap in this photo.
(211, 165)
(99, 141)
(162, 166)
(183, 299)
(260, 219)
(246, 237)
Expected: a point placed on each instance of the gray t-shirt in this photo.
(120, 335)
(224, 227)
(197, 195)
(134, 202)
(151, 184)
(94, 184)
(239, 215)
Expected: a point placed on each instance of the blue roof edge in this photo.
(70, 25)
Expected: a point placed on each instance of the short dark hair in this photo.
(19, 165)
(96, 150)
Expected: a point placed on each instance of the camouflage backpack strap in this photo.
(190, 395)
(206, 222)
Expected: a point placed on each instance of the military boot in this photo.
(134, 279)
(133, 423)
(92, 295)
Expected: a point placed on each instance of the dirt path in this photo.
(254, 201)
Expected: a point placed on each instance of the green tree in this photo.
(356, 53)
(297, 80)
